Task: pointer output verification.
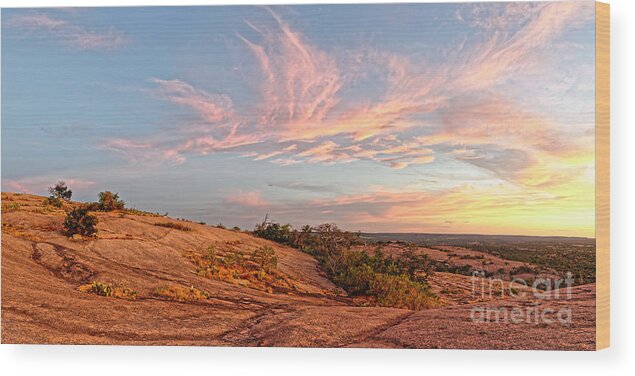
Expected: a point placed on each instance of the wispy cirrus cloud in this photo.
(68, 32)
(503, 106)
(516, 32)
(425, 108)
(300, 81)
(212, 108)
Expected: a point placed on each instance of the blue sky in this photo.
(429, 118)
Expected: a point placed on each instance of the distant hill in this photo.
(458, 239)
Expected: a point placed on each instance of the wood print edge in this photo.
(602, 174)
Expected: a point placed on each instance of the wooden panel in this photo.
(602, 173)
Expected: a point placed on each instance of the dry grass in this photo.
(10, 208)
(176, 226)
(180, 294)
(10, 229)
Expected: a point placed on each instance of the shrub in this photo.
(266, 258)
(274, 231)
(176, 226)
(180, 294)
(106, 289)
(78, 221)
(92, 206)
(109, 201)
(60, 191)
(401, 292)
(53, 201)
(98, 288)
(523, 269)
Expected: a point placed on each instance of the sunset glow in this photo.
(448, 118)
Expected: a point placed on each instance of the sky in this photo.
(439, 118)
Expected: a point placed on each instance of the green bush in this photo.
(78, 221)
(53, 201)
(386, 280)
(274, 231)
(109, 201)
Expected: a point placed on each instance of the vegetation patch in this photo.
(58, 193)
(10, 208)
(274, 231)
(10, 229)
(109, 201)
(133, 211)
(79, 222)
(107, 289)
(371, 279)
(174, 225)
(53, 202)
(560, 254)
(179, 293)
(257, 269)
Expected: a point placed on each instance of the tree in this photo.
(109, 201)
(61, 191)
(78, 221)
(58, 193)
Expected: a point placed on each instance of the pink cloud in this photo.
(211, 107)
(300, 83)
(35, 21)
(251, 199)
(506, 52)
(143, 151)
(70, 34)
(303, 119)
(40, 184)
